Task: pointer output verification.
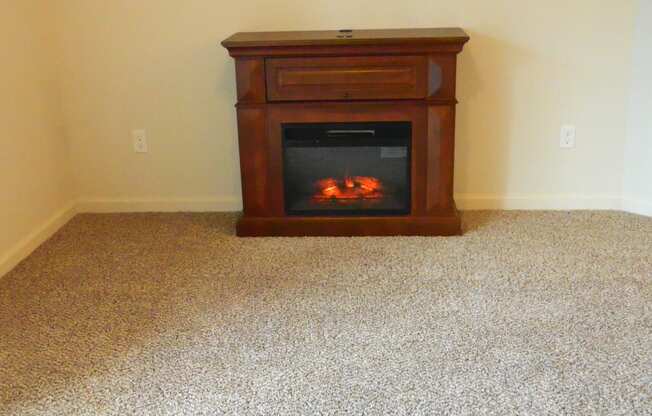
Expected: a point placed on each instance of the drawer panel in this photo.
(346, 78)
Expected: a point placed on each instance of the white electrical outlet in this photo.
(140, 140)
(567, 136)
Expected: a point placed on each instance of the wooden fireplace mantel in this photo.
(347, 76)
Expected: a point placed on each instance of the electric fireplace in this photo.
(347, 168)
(347, 133)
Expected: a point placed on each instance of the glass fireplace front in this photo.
(347, 168)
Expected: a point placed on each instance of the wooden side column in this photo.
(441, 104)
(252, 134)
(441, 158)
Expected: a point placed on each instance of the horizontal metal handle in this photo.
(341, 132)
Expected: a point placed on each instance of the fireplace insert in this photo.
(347, 168)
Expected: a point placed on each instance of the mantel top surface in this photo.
(344, 38)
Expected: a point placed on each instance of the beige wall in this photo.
(34, 188)
(78, 75)
(638, 156)
(530, 66)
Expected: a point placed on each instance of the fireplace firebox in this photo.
(347, 133)
(347, 169)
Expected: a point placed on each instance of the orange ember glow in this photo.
(350, 188)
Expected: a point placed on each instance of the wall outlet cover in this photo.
(139, 137)
(567, 136)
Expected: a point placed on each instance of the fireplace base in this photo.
(441, 225)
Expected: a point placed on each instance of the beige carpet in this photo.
(166, 314)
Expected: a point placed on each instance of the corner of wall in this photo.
(637, 166)
(26, 246)
(39, 183)
(634, 205)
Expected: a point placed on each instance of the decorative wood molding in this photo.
(347, 77)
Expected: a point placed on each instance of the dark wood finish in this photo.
(350, 78)
(382, 37)
(440, 159)
(348, 226)
(386, 75)
(441, 77)
(254, 161)
(250, 80)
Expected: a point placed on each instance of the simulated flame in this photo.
(349, 188)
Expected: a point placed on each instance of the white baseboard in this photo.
(471, 202)
(468, 202)
(208, 204)
(464, 202)
(637, 206)
(38, 236)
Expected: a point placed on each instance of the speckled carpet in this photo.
(170, 314)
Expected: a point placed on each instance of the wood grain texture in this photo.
(442, 70)
(440, 159)
(382, 37)
(345, 50)
(351, 78)
(307, 77)
(349, 226)
(250, 80)
(254, 160)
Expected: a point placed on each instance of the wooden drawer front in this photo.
(350, 78)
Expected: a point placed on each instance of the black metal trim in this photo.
(386, 134)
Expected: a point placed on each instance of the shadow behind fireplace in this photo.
(347, 169)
